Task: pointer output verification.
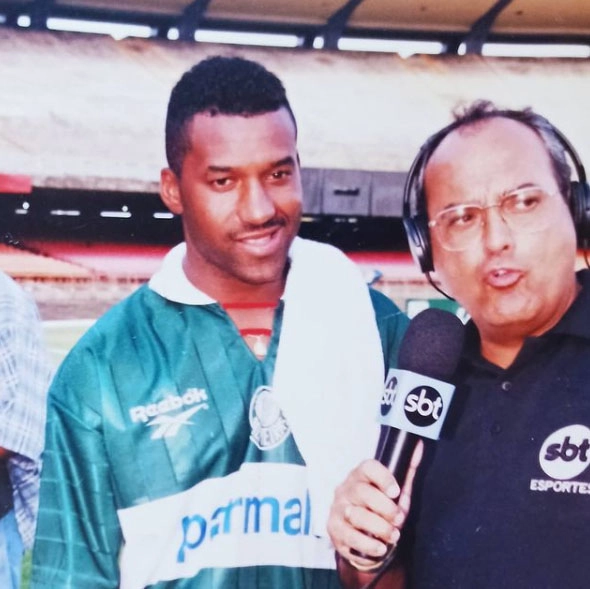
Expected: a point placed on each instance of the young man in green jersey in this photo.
(196, 433)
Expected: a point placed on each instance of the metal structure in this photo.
(453, 23)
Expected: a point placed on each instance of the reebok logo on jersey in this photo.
(564, 455)
(167, 426)
(157, 414)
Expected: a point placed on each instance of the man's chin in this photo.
(262, 276)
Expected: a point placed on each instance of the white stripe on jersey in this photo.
(259, 515)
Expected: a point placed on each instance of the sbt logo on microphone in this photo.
(423, 406)
(415, 403)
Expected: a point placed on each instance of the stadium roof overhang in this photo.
(452, 22)
(85, 112)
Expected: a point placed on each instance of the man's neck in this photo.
(501, 344)
(234, 291)
(501, 354)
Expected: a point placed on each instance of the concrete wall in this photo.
(81, 110)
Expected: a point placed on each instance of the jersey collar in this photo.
(171, 282)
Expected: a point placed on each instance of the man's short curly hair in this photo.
(219, 86)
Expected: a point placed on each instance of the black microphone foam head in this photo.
(432, 344)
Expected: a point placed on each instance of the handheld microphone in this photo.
(417, 397)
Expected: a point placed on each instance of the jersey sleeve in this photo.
(391, 323)
(78, 535)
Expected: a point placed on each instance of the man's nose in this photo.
(256, 205)
(497, 233)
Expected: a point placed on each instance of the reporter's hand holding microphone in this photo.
(371, 505)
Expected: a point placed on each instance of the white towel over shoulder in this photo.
(329, 370)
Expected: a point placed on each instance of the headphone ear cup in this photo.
(419, 241)
(580, 209)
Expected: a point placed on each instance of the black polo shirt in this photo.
(503, 499)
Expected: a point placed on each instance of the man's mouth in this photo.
(502, 277)
(262, 241)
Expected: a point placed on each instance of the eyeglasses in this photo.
(527, 210)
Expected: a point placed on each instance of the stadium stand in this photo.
(81, 122)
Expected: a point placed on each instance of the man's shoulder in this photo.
(132, 322)
(384, 306)
(7, 283)
(12, 294)
(112, 337)
(583, 277)
(107, 330)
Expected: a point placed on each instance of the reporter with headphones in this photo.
(502, 499)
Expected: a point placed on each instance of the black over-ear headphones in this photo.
(415, 218)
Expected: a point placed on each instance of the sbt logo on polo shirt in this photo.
(566, 453)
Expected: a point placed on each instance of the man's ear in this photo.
(170, 191)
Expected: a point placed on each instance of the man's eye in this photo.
(462, 218)
(281, 174)
(523, 203)
(221, 182)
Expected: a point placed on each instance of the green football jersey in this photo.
(194, 478)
